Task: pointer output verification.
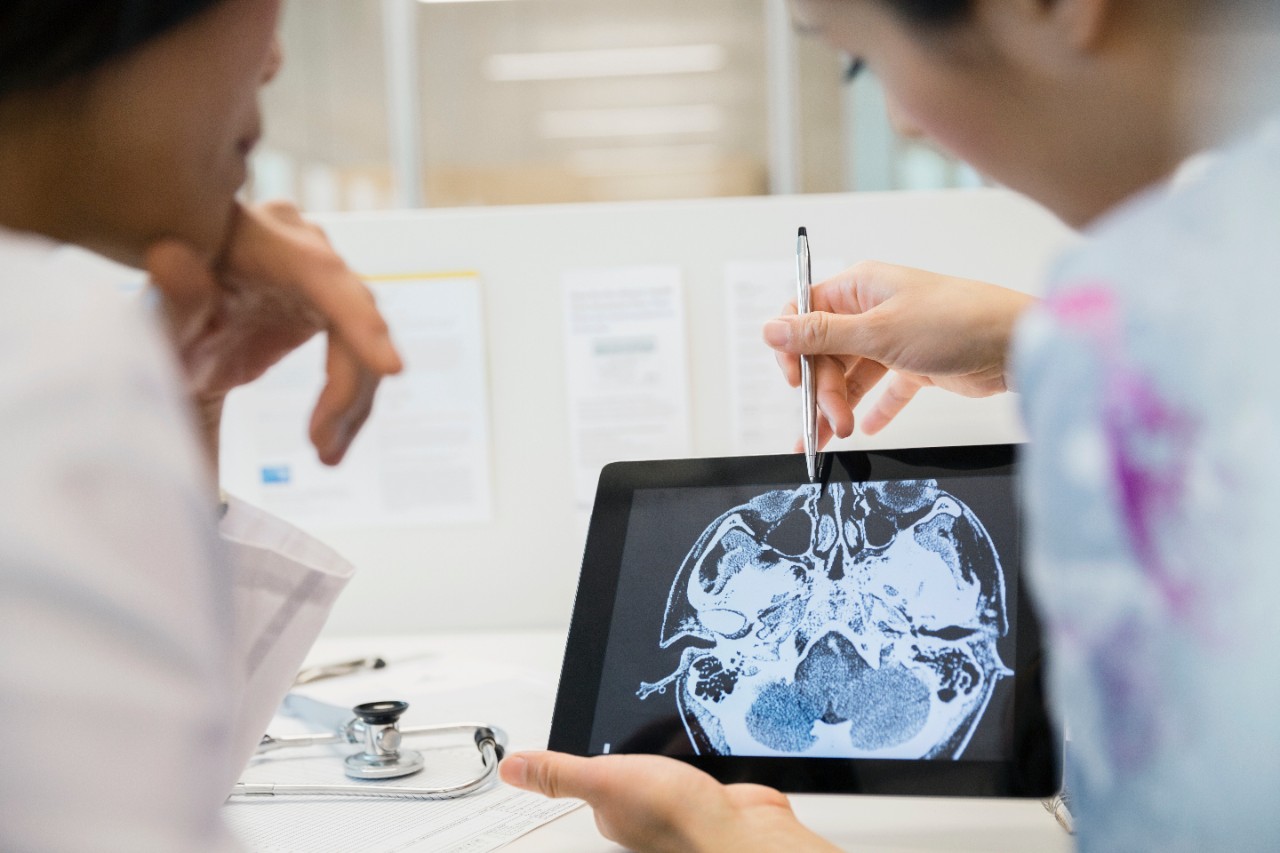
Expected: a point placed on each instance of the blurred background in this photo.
(445, 103)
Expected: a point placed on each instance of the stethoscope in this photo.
(376, 727)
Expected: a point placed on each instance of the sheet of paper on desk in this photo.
(423, 455)
(439, 689)
(476, 823)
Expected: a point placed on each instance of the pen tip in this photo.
(804, 232)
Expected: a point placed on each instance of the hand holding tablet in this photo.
(865, 633)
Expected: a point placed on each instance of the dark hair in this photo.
(931, 13)
(45, 42)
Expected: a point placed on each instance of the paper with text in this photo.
(423, 455)
(479, 822)
(627, 370)
(764, 413)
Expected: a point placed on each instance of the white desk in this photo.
(855, 823)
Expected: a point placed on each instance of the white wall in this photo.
(520, 569)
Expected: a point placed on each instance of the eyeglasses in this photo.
(853, 69)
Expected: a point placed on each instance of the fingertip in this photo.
(777, 333)
(846, 424)
(374, 349)
(839, 424)
(327, 436)
(382, 355)
(332, 456)
(514, 770)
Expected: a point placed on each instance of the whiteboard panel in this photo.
(520, 568)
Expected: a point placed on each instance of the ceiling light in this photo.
(635, 121)
(616, 62)
(647, 159)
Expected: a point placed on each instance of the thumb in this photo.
(552, 774)
(821, 333)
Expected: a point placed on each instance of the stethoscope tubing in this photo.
(489, 740)
(489, 756)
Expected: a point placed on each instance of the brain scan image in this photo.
(847, 620)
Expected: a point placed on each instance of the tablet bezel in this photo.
(1031, 772)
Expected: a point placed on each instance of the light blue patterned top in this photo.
(1151, 389)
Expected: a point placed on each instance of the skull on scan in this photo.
(851, 620)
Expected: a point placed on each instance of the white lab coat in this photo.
(144, 644)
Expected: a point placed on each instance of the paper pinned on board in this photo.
(765, 413)
(627, 370)
(423, 457)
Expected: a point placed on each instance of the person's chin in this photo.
(238, 174)
(211, 229)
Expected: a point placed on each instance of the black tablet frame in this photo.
(1032, 772)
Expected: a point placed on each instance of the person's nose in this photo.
(275, 59)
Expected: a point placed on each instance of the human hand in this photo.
(874, 318)
(652, 803)
(276, 283)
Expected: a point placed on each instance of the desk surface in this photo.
(855, 823)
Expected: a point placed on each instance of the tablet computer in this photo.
(867, 633)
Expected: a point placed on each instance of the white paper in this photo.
(627, 371)
(423, 455)
(475, 823)
(765, 413)
(514, 695)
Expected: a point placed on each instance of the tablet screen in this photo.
(873, 616)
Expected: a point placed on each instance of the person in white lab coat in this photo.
(148, 629)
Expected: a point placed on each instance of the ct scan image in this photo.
(859, 620)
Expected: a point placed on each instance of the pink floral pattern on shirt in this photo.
(1150, 440)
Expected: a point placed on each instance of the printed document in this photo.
(765, 414)
(627, 370)
(423, 455)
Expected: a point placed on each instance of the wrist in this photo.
(1008, 370)
(208, 413)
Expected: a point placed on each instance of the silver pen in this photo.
(808, 386)
(333, 670)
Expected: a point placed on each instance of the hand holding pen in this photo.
(875, 319)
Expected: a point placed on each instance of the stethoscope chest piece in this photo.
(376, 725)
